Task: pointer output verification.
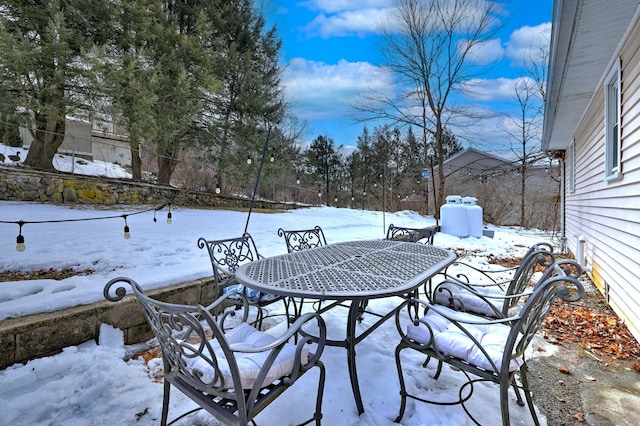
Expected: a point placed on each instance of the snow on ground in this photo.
(98, 383)
(70, 164)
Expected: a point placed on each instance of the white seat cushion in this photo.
(249, 364)
(470, 302)
(449, 339)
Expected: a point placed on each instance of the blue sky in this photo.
(329, 50)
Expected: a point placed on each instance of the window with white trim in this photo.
(571, 176)
(612, 104)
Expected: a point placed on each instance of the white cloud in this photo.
(320, 91)
(360, 22)
(486, 52)
(333, 6)
(498, 89)
(525, 43)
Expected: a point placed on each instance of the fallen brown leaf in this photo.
(579, 417)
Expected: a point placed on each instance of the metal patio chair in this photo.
(494, 277)
(302, 239)
(298, 240)
(492, 298)
(482, 349)
(412, 235)
(226, 256)
(222, 363)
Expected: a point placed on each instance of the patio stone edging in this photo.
(40, 335)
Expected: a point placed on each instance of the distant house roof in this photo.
(584, 37)
(472, 156)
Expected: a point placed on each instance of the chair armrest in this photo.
(289, 333)
(487, 273)
(461, 317)
(573, 290)
(276, 345)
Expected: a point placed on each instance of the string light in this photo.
(20, 239)
(217, 188)
(20, 245)
(127, 234)
(248, 159)
(169, 218)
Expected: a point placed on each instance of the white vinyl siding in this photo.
(604, 210)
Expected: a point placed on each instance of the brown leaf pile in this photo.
(598, 330)
(41, 274)
(589, 323)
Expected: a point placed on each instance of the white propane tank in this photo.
(474, 216)
(454, 217)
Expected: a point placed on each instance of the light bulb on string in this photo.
(248, 159)
(169, 218)
(20, 239)
(127, 234)
(154, 216)
(217, 188)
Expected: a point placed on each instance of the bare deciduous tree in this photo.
(427, 45)
(524, 132)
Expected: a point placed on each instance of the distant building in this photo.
(496, 183)
(98, 140)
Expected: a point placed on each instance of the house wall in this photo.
(110, 148)
(607, 213)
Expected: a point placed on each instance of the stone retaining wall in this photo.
(17, 184)
(34, 336)
(25, 338)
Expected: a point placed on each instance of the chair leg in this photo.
(259, 317)
(504, 403)
(527, 394)
(438, 370)
(165, 402)
(321, 379)
(517, 392)
(403, 392)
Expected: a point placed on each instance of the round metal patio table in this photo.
(354, 271)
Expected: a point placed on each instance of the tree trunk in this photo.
(439, 195)
(166, 166)
(136, 162)
(47, 138)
